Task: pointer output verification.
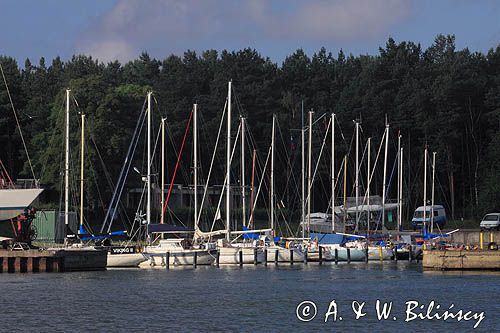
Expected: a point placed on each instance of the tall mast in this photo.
(345, 190)
(432, 193)
(303, 161)
(400, 190)
(309, 172)
(163, 170)
(368, 214)
(272, 173)
(424, 224)
(243, 199)
(195, 164)
(254, 155)
(228, 164)
(148, 175)
(356, 185)
(333, 172)
(399, 187)
(66, 170)
(82, 152)
(385, 173)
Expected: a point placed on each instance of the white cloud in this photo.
(162, 27)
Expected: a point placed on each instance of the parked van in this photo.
(490, 221)
(439, 216)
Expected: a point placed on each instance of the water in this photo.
(248, 299)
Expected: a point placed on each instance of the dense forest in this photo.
(440, 97)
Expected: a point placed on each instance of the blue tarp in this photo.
(327, 238)
(84, 235)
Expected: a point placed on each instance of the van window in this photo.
(491, 218)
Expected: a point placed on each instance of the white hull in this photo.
(374, 253)
(231, 255)
(283, 254)
(355, 254)
(186, 257)
(14, 201)
(125, 260)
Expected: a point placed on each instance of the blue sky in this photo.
(122, 29)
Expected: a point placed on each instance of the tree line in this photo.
(439, 97)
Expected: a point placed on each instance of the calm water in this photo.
(248, 299)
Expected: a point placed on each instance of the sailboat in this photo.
(117, 256)
(181, 251)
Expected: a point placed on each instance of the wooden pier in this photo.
(67, 260)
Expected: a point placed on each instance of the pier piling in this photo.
(305, 256)
(348, 255)
(276, 256)
(217, 258)
(255, 256)
(336, 256)
(291, 256)
(195, 259)
(320, 249)
(167, 260)
(265, 257)
(240, 253)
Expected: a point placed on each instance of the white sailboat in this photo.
(180, 250)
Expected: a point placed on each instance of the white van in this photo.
(490, 221)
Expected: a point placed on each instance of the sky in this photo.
(122, 29)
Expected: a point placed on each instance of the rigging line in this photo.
(226, 178)
(211, 165)
(18, 124)
(125, 167)
(178, 161)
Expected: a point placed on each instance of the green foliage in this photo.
(442, 97)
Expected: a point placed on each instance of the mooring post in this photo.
(276, 256)
(491, 236)
(366, 253)
(410, 253)
(396, 253)
(291, 256)
(195, 259)
(217, 258)
(380, 253)
(320, 249)
(481, 245)
(348, 255)
(305, 256)
(336, 256)
(255, 256)
(167, 260)
(241, 257)
(265, 256)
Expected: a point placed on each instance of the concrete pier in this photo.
(64, 260)
(461, 260)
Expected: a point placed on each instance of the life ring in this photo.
(493, 246)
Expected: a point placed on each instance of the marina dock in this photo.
(67, 260)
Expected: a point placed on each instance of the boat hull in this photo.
(355, 254)
(203, 257)
(283, 254)
(379, 253)
(231, 255)
(125, 259)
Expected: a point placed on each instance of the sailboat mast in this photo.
(303, 171)
(399, 187)
(309, 174)
(254, 155)
(66, 170)
(424, 224)
(432, 191)
(333, 172)
(401, 190)
(148, 176)
(368, 213)
(272, 173)
(356, 185)
(243, 199)
(345, 190)
(385, 174)
(228, 164)
(163, 170)
(82, 152)
(195, 164)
